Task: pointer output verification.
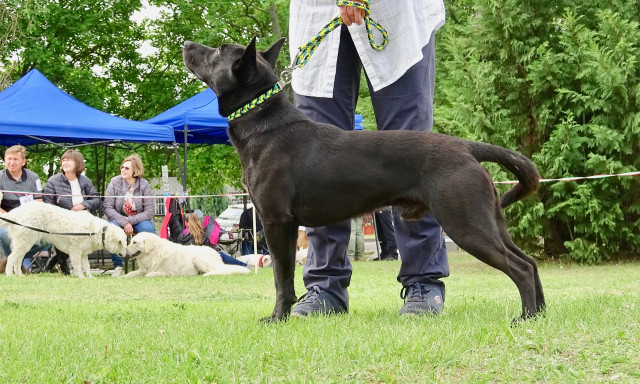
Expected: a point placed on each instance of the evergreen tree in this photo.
(556, 81)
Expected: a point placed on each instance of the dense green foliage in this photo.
(555, 80)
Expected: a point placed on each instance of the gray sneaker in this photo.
(318, 302)
(421, 299)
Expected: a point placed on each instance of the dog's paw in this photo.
(526, 318)
(268, 320)
(273, 319)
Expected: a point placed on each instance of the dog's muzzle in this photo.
(134, 255)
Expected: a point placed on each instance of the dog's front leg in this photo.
(15, 258)
(281, 239)
(136, 273)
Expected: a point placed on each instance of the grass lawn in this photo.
(56, 329)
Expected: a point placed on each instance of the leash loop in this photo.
(306, 50)
(286, 75)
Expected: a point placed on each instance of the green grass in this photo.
(55, 329)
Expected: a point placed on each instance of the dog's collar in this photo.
(257, 101)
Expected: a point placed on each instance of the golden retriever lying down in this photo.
(160, 257)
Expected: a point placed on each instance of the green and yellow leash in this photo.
(306, 50)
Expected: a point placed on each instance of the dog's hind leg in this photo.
(86, 267)
(540, 301)
(493, 252)
(483, 236)
(76, 261)
(474, 222)
(281, 238)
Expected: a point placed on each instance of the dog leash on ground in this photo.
(104, 230)
(306, 50)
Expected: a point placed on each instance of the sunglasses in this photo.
(125, 168)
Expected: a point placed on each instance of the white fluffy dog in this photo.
(92, 232)
(160, 257)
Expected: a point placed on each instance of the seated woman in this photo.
(128, 203)
(70, 189)
(193, 232)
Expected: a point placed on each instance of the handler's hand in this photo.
(128, 229)
(78, 207)
(352, 15)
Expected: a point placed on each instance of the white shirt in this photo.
(76, 192)
(409, 23)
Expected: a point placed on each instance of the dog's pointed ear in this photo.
(247, 63)
(271, 54)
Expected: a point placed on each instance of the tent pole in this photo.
(104, 169)
(184, 181)
(184, 176)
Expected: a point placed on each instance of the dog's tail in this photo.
(228, 269)
(524, 169)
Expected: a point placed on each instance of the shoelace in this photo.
(414, 291)
(312, 296)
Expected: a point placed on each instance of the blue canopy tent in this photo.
(33, 110)
(197, 119)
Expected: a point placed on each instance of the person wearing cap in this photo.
(128, 203)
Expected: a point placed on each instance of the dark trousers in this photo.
(61, 258)
(386, 235)
(406, 104)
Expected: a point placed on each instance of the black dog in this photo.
(299, 172)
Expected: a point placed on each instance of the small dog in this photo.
(53, 219)
(303, 240)
(254, 259)
(160, 257)
(301, 256)
(299, 172)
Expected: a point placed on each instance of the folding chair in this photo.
(38, 261)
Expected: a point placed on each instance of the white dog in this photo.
(254, 259)
(92, 234)
(160, 257)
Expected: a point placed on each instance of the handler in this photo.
(401, 80)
